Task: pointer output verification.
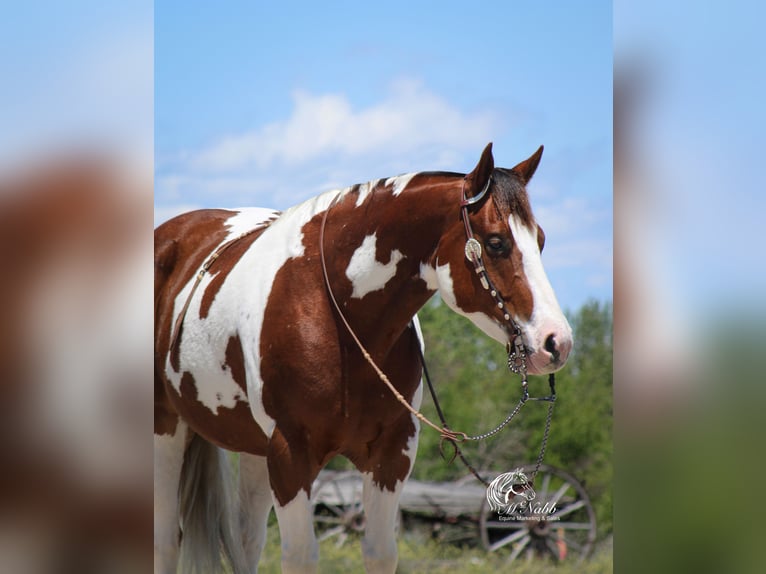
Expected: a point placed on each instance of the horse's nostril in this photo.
(550, 343)
(550, 346)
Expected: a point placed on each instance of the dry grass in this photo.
(418, 555)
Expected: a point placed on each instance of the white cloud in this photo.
(327, 142)
(410, 118)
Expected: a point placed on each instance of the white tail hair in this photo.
(209, 529)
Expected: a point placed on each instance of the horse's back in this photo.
(182, 245)
(185, 239)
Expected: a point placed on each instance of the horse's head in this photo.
(500, 219)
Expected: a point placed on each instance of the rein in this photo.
(445, 433)
(522, 401)
(516, 349)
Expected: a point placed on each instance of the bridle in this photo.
(517, 353)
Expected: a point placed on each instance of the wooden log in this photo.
(339, 488)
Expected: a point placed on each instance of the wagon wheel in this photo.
(338, 511)
(565, 533)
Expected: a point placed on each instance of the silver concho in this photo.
(472, 249)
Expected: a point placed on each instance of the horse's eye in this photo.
(496, 245)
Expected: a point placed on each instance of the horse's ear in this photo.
(477, 180)
(526, 169)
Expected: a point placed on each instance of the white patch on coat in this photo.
(429, 275)
(300, 551)
(381, 506)
(440, 278)
(419, 333)
(366, 273)
(206, 363)
(400, 182)
(247, 219)
(365, 190)
(239, 309)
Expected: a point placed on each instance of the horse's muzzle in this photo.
(552, 354)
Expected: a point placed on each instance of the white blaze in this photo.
(546, 316)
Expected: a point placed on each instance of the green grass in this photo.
(418, 555)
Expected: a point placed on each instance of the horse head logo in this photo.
(504, 492)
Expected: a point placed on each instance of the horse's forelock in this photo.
(510, 196)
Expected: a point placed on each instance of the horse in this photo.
(252, 356)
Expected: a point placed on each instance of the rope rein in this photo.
(516, 351)
(445, 433)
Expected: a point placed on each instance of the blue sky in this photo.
(268, 104)
(79, 73)
(519, 74)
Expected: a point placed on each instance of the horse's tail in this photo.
(206, 498)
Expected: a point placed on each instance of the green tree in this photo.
(476, 392)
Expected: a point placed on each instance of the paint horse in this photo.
(252, 357)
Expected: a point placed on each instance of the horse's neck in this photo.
(382, 246)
